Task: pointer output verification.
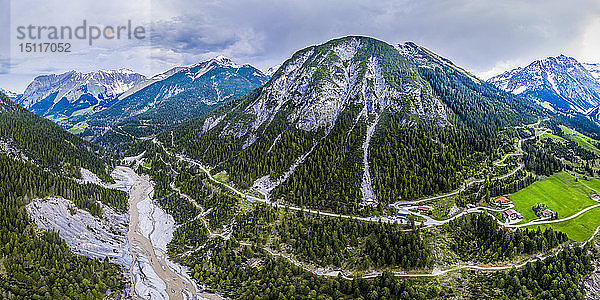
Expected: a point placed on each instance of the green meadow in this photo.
(560, 192)
(564, 194)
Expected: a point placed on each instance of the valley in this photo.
(357, 169)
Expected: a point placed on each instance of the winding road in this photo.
(469, 183)
(429, 221)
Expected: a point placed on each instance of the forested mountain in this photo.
(44, 143)
(175, 96)
(561, 81)
(356, 121)
(38, 159)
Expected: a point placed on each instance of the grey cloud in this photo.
(480, 35)
(475, 34)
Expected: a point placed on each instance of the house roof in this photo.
(502, 199)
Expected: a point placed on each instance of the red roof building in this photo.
(503, 201)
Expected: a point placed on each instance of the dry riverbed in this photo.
(136, 240)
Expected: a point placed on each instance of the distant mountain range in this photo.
(560, 82)
(62, 96)
(29, 137)
(178, 95)
(11, 95)
(95, 104)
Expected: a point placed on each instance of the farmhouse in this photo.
(511, 214)
(547, 213)
(503, 201)
(424, 209)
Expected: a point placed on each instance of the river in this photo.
(150, 229)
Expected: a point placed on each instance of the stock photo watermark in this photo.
(42, 38)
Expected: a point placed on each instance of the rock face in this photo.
(61, 95)
(561, 81)
(84, 234)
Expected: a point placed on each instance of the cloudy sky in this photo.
(485, 37)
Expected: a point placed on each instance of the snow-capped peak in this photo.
(562, 81)
(9, 94)
(226, 61)
(594, 69)
(269, 72)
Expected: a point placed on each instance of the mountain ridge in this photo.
(82, 90)
(561, 81)
(179, 94)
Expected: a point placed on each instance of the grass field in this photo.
(566, 196)
(578, 229)
(560, 192)
(593, 184)
(84, 111)
(581, 139)
(550, 135)
(78, 128)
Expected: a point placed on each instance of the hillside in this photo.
(353, 123)
(37, 160)
(46, 144)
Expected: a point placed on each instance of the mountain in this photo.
(335, 127)
(594, 69)
(561, 81)
(175, 96)
(68, 96)
(11, 95)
